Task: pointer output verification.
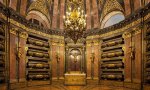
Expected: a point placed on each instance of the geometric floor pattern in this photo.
(59, 85)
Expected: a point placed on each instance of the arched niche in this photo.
(40, 17)
(112, 18)
(75, 59)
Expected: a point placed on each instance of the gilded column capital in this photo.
(96, 42)
(23, 35)
(126, 35)
(137, 31)
(13, 31)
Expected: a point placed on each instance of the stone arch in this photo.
(110, 6)
(40, 17)
(109, 16)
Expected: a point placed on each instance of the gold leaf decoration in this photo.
(111, 5)
(40, 5)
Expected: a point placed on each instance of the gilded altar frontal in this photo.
(74, 44)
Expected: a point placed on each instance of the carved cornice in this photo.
(95, 42)
(21, 34)
(133, 31)
(57, 42)
(21, 22)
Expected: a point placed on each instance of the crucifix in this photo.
(75, 61)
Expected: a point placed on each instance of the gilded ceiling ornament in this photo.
(111, 5)
(40, 5)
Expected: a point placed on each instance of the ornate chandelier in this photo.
(75, 20)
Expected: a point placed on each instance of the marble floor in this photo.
(59, 85)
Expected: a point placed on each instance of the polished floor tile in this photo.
(59, 85)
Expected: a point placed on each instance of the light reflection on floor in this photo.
(58, 85)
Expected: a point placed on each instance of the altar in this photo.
(75, 65)
(75, 78)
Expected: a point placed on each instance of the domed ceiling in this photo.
(55, 9)
(49, 13)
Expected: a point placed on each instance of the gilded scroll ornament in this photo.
(126, 35)
(13, 31)
(23, 35)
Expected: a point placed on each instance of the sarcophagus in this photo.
(1, 74)
(38, 43)
(148, 63)
(2, 79)
(38, 76)
(2, 31)
(104, 55)
(46, 55)
(120, 41)
(46, 45)
(30, 53)
(30, 41)
(2, 63)
(119, 53)
(110, 54)
(148, 46)
(148, 78)
(37, 54)
(112, 43)
(114, 65)
(104, 45)
(111, 76)
(2, 47)
(39, 65)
